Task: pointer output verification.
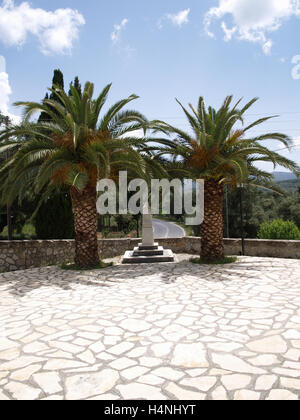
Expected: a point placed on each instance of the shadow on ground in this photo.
(22, 282)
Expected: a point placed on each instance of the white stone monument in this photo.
(147, 234)
(148, 251)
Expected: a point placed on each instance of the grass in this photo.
(225, 260)
(28, 232)
(75, 267)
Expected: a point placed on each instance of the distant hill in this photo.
(291, 185)
(284, 176)
(287, 181)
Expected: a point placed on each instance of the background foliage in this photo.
(279, 229)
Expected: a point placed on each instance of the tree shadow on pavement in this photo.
(20, 283)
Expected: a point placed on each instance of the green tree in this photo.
(289, 209)
(44, 221)
(54, 219)
(2, 212)
(57, 80)
(74, 150)
(77, 86)
(4, 119)
(220, 151)
(5, 214)
(259, 205)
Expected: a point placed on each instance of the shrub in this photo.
(279, 229)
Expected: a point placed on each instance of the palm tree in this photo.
(219, 150)
(75, 148)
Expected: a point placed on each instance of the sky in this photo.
(159, 50)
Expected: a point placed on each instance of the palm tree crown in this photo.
(220, 151)
(74, 149)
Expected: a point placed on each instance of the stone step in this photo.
(129, 258)
(148, 247)
(148, 252)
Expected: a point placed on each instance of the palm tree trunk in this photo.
(212, 245)
(86, 224)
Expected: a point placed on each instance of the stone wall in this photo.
(191, 245)
(20, 255)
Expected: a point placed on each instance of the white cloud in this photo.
(2, 64)
(116, 34)
(56, 31)
(252, 20)
(296, 141)
(122, 47)
(267, 47)
(178, 19)
(228, 32)
(296, 69)
(5, 92)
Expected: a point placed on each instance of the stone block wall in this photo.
(20, 255)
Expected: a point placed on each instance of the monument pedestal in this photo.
(148, 254)
(148, 251)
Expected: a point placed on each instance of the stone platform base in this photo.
(148, 254)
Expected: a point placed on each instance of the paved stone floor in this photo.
(168, 331)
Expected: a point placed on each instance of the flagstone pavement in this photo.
(158, 332)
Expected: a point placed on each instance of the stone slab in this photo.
(137, 252)
(129, 258)
(148, 247)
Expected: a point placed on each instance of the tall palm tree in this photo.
(219, 150)
(75, 148)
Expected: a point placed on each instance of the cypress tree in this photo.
(54, 219)
(58, 80)
(44, 117)
(77, 86)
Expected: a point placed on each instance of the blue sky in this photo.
(159, 50)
